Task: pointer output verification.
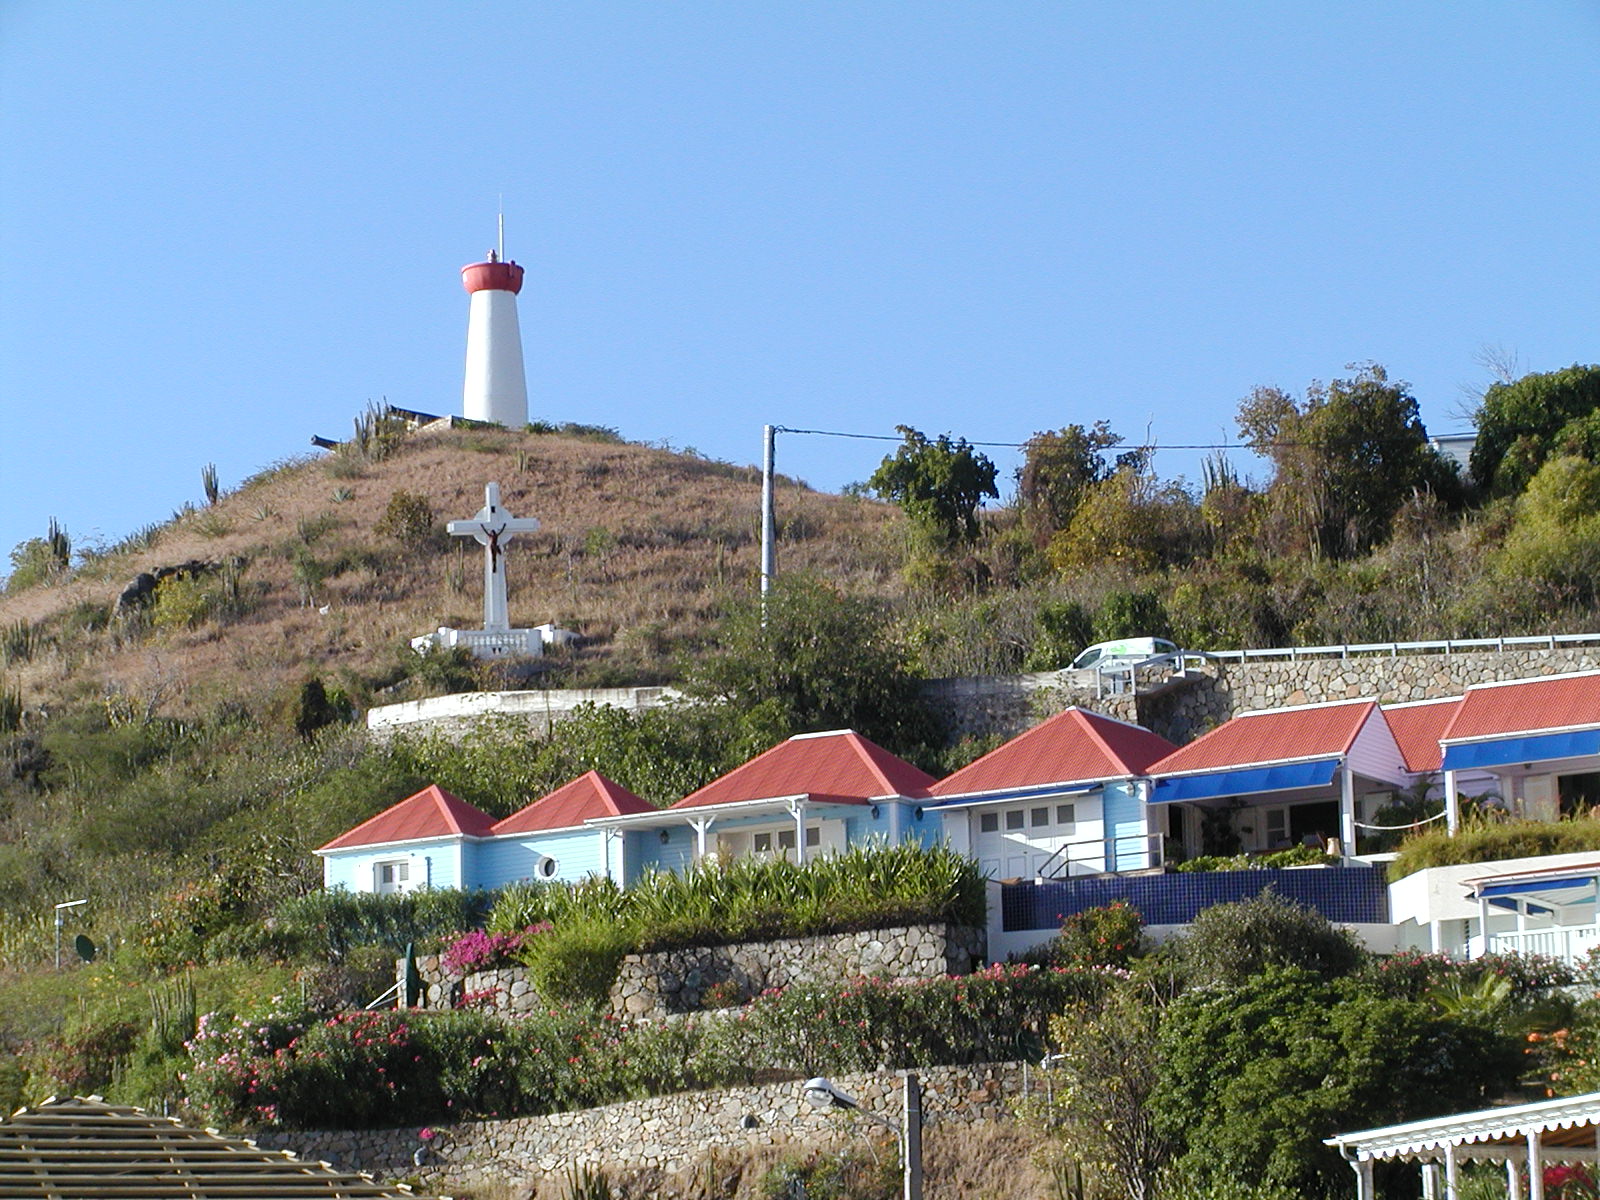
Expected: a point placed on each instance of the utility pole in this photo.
(769, 554)
(911, 1127)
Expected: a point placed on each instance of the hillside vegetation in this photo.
(175, 763)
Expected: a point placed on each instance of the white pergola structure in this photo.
(1526, 1138)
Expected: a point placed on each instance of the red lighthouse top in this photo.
(492, 276)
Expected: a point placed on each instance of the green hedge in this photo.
(1491, 841)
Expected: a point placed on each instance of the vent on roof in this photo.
(800, 737)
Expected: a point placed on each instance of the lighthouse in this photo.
(496, 388)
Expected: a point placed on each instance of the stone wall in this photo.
(667, 1132)
(1008, 705)
(675, 981)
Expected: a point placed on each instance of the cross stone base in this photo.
(495, 643)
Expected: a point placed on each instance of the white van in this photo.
(1127, 652)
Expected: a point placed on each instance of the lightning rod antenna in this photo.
(502, 229)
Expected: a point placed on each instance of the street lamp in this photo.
(60, 909)
(821, 1093)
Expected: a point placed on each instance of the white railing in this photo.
(1567, 942)
(1394, 649)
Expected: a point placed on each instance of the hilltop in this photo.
(637, 548)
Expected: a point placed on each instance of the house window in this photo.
(392, 876)
(1014, 819)
(548, 867)
(813, 836)
(989, 823)
(761, 843)
(785, 839)
(1066, 814)
(1039, 818)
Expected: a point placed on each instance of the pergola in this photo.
(85, 1149)
(1527, 1138)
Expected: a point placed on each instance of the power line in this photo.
(889, 437)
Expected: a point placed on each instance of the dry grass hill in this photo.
(637, 546)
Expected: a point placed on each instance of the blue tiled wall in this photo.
(1356, 895)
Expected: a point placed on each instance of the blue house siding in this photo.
(1124, 816)
(434, 864)
(516, 857)
(1353, 895)
(646, 850)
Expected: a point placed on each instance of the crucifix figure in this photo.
(492, 528)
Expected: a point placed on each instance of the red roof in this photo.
(571, 804)
(432, 812)
(1272, 735)
(841, 767)
(1071, 747)
(1559, 702)
(1417, 729)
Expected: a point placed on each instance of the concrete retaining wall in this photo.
(667, 1132)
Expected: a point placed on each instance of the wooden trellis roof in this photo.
(76, 1149)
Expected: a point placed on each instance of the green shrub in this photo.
(826, 1175)
(1230, 943)
(1294, 856)
(1487, 841)
(1108, 936)
(576, 962)
(868, 887)
(408, 518)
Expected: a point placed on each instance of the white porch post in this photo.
(622, 856)
(605, 854)
(797, 809)
(1430, 1181)
(1535, 1166)
(1513, 1179)
(1451, 1176)
(1452, 807)
(1363, 1169)
(1483, 926)
(1347, 812)
(701, 825)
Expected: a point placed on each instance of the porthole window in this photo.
(548, 868)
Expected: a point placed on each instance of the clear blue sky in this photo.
(226, 226)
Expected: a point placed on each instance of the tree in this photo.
(1255, 1075)
(1105, 1077)
(1553, 549)
(1058, 469)
(1522, 423)
(812, 658)
(39, 560)
(1344, 459)
(939, 484)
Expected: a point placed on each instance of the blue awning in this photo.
(1569, 884)
(1522, 749)
(1246, 782)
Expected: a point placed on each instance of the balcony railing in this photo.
(1567, 942)
(1131, 852)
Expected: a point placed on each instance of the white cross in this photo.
(493, 527)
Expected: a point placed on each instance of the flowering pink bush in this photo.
(477, 950)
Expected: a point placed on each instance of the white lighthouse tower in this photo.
(496, 388)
